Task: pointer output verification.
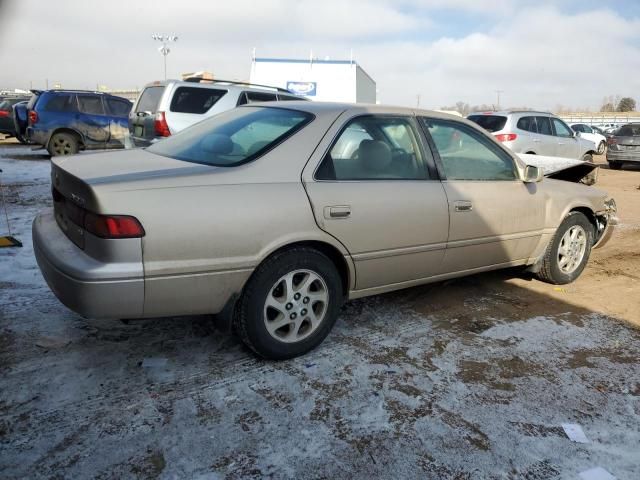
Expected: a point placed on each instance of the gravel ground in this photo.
(467, 379)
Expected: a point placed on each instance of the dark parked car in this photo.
(6, 115)
(624, 146)
(66, 121)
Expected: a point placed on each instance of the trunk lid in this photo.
(75, 179)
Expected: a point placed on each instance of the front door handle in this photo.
(463, 206)
(337, 211)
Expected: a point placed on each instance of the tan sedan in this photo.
(272, 215)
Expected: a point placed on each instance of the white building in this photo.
(321, 80)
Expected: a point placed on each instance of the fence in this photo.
(601, 119)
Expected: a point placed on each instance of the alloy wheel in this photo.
(572, 248)
(296, 305)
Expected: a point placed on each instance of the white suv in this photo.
(536, 133)
(165, 108)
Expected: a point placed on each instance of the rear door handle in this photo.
(337, 211)
(463, 206)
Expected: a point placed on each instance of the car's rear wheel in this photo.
(568, 252)
(601, 148)
(587, 157)
(615, 165)
(63, 144)
(290, 304)
(21, 139)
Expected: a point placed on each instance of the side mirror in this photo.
(533, 174)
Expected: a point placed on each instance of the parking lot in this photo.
(469, 378)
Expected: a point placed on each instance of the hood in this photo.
(560, 168)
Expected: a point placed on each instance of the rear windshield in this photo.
(492, 123)
(629, 131)
(233, 137)
(150, 99)
(195, 100)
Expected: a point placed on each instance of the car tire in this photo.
(602, 147)
(21, 139)
(63, 144)
(615, 165)
(568, 252)
(587, 157)
(290, 289)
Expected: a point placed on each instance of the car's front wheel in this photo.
(568, 253)
(602, 147)
(290, 304)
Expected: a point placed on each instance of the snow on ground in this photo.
(461, 380)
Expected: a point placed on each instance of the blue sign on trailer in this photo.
(307, 89)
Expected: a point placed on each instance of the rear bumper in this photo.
(39, 137)
(88, 286)
(623, 156)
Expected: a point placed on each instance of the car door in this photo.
(118, 110)
(547, 144)
(566, 140)
(91, 121)
(495, 218)
(375, 192)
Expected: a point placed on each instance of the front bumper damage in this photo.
(606, 222)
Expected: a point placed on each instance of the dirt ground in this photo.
(466, 379)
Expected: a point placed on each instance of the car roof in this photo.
(228, 84)
(337, 108)
(513, 112)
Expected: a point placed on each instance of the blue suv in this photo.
(66, 121)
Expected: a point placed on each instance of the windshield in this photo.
(492, 123)
(233, 137)
(628, 131)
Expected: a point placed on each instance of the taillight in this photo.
(506, 137)
(113, 226)
(160, 125)
(612, 140)
(33, 117)
(4, 113)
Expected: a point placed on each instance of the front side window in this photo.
(561, 129)
(90, 104)
(119, 108)
(374, 148)
(233, 137)
(466, 154)
(194, 99)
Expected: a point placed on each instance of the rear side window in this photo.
(528, 124)
(60, 103)
(233, 137)
(544, 125)
(374, 148)
(251, 97)
(492, 123)
(119, 108)
(150, 98)
(195, 100)
(90, 104)
(629, 131)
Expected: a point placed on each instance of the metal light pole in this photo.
(164, 49)
(498, 92)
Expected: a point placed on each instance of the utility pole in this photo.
(498, 92)
(418, 101)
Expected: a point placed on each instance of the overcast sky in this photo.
(541, 53)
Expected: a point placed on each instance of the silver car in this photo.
(272, 215)
(537, 133)
(165, 108)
